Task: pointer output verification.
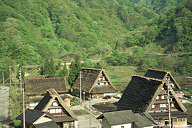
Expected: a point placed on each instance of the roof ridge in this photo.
(93, 68)
(44, 78)
(52, 92)
(148, 78)
(158, 70)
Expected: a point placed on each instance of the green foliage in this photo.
(75, 67)
(33, 31)
(64, 71)
(74, 101)
(88, 64)
(48, 68)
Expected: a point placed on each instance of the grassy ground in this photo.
(121, 75)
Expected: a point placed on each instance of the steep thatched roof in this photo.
(89, 78)
(141, 93)
(138, 94)
(51, 96)
(41, 85)
(161, 75)
(31, 115)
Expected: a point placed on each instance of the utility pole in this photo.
(20, 76)
(168, 100)
(89, 110)
(80, 86)
(3, 77)
(10, 74)
(23, 109)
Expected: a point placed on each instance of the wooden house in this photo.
(94, 82)
(37, 119)
(149, 95)
(126, 119)
(38, 86)
(53, 104)
(33, 101)
(167, 78)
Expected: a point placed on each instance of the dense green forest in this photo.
(123, 32)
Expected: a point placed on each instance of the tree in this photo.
(64, 71)
(75, 67)
(52, 70)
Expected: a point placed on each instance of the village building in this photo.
(53, 104)
(94, 83)
(37, 119)
(167, 78)
(150, 95)
(126, 119)
(34, 101)
(39, 86)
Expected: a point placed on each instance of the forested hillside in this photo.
(33, 30)
(158, 6)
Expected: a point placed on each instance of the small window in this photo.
(157, 97)
(162, 105)
(122, 126)
(172, 105)
(32, 104)
(66, 126)
(58, 110)
(55, 103)
(174, 120)
(153, 106)
(52, 110)
(162, 97)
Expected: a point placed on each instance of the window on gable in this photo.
(55, 103)
(58, 110)
(52, 110)
(162, 105)
(157, 97)
(162, 97)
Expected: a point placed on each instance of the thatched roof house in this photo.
(38, 119)
(144, 94)
(165, 77)
(94, 82)
(38, 86)
(53, 104)
(161, 75)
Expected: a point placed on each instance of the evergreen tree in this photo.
(46, 68)
(64, 71)
(52, 69)
(75, 67)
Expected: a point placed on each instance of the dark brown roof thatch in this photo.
(89, 78)
(41, 85)
(161, 75)
(157, 74)
(31, 115)
(139, 93)
(51, 96)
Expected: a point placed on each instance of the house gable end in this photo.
(159, 102)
